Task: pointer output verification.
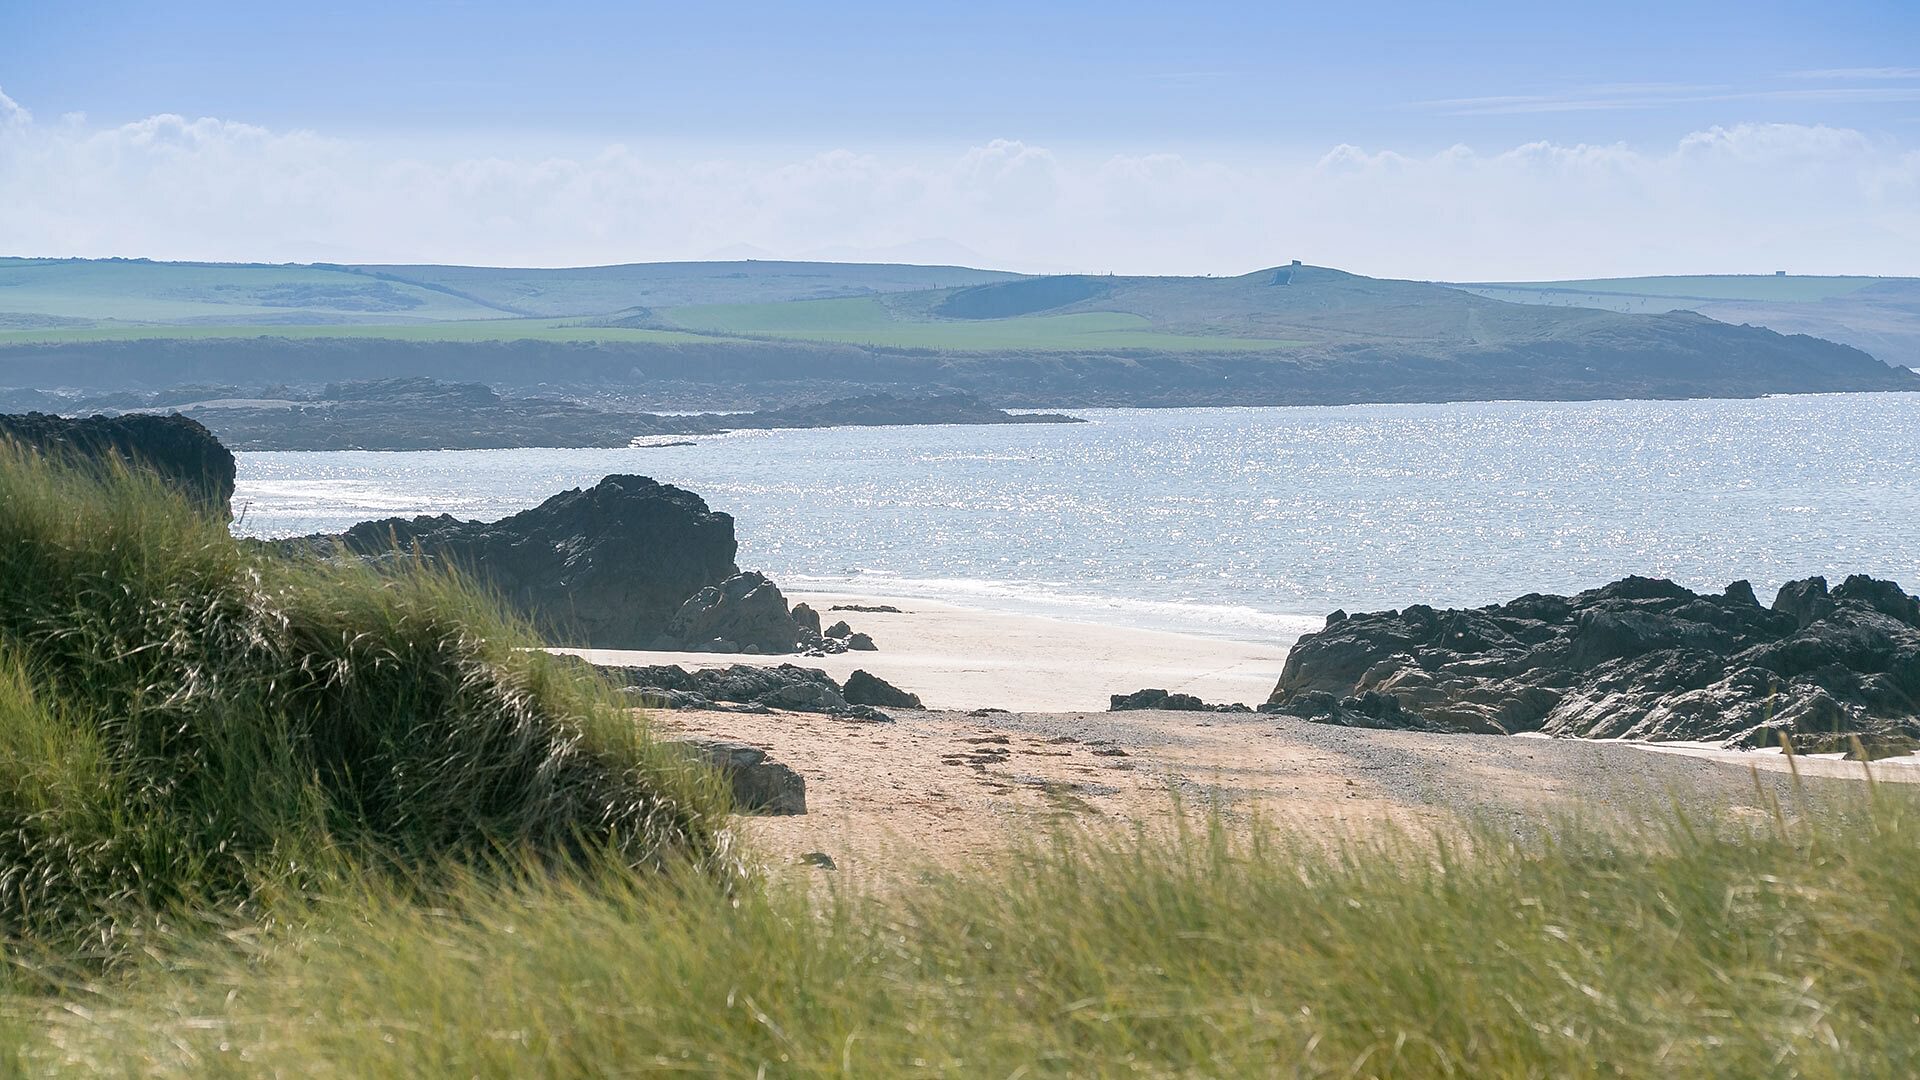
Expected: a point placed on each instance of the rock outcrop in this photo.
(1641, 658)
(429, 414)
(745, 686)
(1161, 699)
(629, 563)
(608, 566)
(760, 784)
(746, 613)
(864, 688)
(181, 451)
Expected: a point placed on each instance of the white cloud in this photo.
(1742, 198)
(11, 112)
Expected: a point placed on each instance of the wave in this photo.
(1059, 600)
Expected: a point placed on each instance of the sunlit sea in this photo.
(1246, 523)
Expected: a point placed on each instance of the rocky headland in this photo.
(430, 414)
(1641, 658)
(629, 563)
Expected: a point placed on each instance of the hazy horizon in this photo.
(1514, 144)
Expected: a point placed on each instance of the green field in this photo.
(872, 321)
(164, 292)
(1689, 287)
(471, 330)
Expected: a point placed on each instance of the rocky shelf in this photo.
(1642, 658)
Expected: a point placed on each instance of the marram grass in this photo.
(188, 720)
(1686, 951)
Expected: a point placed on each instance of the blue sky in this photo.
(906, 99)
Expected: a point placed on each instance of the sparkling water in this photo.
(1247, 523)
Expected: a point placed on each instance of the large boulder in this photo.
(604, 567)
(760, 784)
(744, 613)
(864, 688)
(1641, 658)
(179, 450)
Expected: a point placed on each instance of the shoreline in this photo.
(963, 658)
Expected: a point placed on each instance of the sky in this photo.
(1489, 141)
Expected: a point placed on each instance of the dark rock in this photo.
(1160, 699)
(607, 566)
(807, 619)
(760, 784)
(838, 630)
(876, 609)
(1640, 658)
(1807, 601)
(858, 642)
(866, 689)
(1156, 699)
(746, 611)
(182, 452)
(787, 686)
(820, 859)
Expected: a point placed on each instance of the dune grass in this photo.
(186, 721)
(1686, 951)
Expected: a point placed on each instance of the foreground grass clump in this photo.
(1676, 952)
(188, 723)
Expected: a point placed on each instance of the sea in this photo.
(1246, 523)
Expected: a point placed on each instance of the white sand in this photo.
(965, 658)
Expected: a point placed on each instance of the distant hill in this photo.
(76, 294)
(1878, 315)
(749, 334)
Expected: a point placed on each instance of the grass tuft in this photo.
(185, 720)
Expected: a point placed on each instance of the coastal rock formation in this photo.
(1642, 658)
(608, 566)
(864, 688)
(181, 451)
(760, 784)
(430, 414)
(745, 613)
(1161, 699)
(787, 686)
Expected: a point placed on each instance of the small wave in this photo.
(1235, 621)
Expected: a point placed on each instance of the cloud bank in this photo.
(1741, 198)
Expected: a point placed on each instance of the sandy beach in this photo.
(948, 788)
(966, 658)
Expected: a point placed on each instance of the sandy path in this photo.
(965, 658)
(953, 788)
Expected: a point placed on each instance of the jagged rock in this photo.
(838, 630)
(760, 784)
(1641, 658)
(746, 612)
(866, 689)
(179, 450)
(743, 687)
(606, 567)
(1156, 699)
(858, 642)
(807, 619)
(1160, 699)
(887, 609)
